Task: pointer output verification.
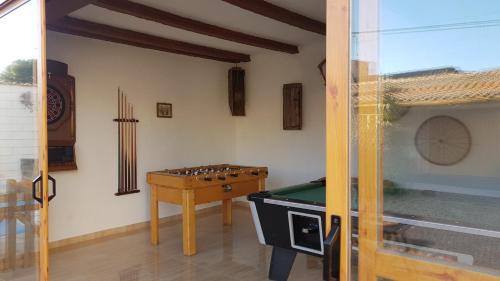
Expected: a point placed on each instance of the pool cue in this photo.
(134, 153)
(128, 148)
(129, 123)
(123, 143)
(119, 143)
(131, 148)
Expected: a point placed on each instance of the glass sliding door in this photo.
(23, 161)
(420, 98)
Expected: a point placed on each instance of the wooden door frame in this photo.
(41, 84)
(337, 125)
(374, 261)
(43, 147)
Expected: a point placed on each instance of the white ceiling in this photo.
(218, 13)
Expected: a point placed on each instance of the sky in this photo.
(19, 34)
(468, 47)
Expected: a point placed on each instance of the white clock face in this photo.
(443, 140)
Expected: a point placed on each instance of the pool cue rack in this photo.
(127, 146)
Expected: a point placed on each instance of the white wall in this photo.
(200, 132)
(477, 173)
(292, 156)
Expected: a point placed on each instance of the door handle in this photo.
(33, 187)
(331, 258)
(39, 180)
(53, 188)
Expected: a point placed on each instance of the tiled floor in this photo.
(224, 253)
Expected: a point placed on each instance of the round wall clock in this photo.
(443, 140)
(55, 105)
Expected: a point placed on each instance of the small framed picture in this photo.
(163, 110)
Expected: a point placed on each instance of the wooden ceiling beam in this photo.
(118, 35)
(57, 9)
(166, 18)
(269, 10)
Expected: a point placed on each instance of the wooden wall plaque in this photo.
(60, 117)
(236, 85)
(292, 106)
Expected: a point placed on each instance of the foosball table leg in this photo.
(262, 185)
(227, 211)
(188, 223)
(154, 216)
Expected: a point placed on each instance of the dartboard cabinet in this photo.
(60, 117)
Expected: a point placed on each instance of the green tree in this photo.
(19, 71)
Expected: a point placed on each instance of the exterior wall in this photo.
(477, 174)
(18, 131)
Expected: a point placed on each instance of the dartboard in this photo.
(55, 105)
(443, 140)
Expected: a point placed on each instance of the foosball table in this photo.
(198, 185)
